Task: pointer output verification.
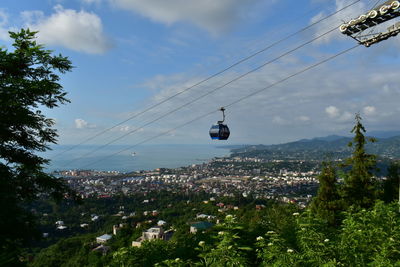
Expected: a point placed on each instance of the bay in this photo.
(144, 157)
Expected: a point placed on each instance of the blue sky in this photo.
(131, 54)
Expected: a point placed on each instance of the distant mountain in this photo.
(384, 134)
(376, 134)
(329, 147)
(328, 138)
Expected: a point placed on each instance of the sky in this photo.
(131, 54)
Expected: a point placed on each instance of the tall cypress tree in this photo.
(359, 184)
(327, 203)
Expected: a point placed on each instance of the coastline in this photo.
(147, 157)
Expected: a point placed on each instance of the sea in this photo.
(143, 157)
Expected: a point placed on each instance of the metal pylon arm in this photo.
(392, 31)
(387, 11)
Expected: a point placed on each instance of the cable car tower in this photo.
(355, 28)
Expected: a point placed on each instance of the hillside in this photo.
(330, 147)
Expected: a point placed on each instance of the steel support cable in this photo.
(202, 96)
(228, 105)
(205, 80)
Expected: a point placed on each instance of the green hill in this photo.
(331, 147)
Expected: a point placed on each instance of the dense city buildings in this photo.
(288, 181)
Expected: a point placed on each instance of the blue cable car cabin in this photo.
(220, 131)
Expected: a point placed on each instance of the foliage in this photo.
(371, 237)
(359, 185)
(310, 247)
(227, 251)
(148, 254)
(173, 263)
(281, 235)
(74, 251)
(279, 219)
(367, 237)
(392, 183)
(28, 82)
(273, 250)
(315, 239)
(327, 204)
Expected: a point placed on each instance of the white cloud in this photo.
(3, 17)
(3, 25)
(279, 120)
(332, 111)
(369, 110)
(386, 89)
(216, 16)
(82, 124)
(124, 128)
(292, 121)
(304, 118)
(346, 117)
(127, 128)
(335, 113)
(161, 81)
(89, 2)
(79, 31)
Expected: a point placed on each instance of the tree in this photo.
(359, 184)
(327, 203)
(28, 81)
(391, 184)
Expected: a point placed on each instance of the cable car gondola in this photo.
(220, 131)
